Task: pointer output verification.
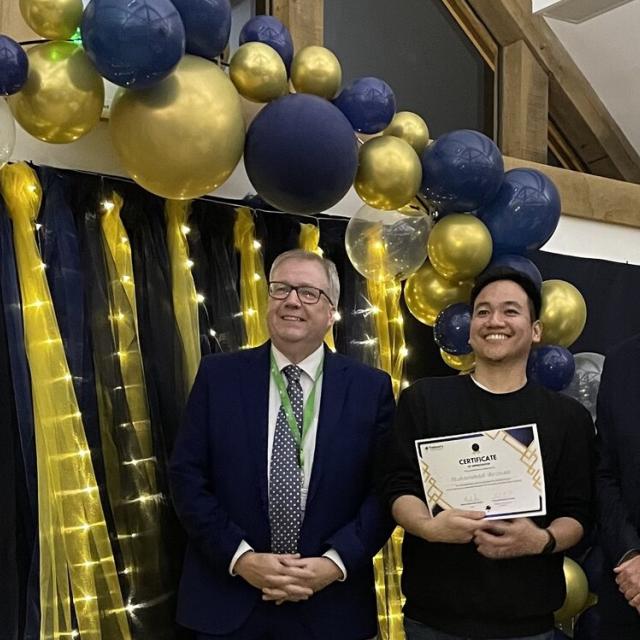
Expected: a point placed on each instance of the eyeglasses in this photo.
(306, 293)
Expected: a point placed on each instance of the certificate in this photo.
(498, 472)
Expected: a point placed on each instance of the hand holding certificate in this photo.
(498, 471)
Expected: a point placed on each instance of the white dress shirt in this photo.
(309, 367)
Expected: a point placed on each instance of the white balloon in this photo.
(7, 132)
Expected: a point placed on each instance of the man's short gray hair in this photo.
(328, 266)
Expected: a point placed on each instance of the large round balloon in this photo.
(52, 19)
(183, 137)
(524, 213)
(368, 103)
(518, 263)
(133, 43)
(207, 24)
(258, 73)
(464, 363)
(577, 591)
(271, 31)
(7, 133)
(387, 244)
(63, 97)
(411, 128)
(551, 366)
(14, 66)
(461, 170)
(451, 330)
(316, 70)
(389, 173)
(301, 154)
(427, 293)
(586, 380)
(459, 247)
(563, 313)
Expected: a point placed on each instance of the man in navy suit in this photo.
(618, 491)
(272, 477)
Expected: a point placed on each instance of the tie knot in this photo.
(292, 372)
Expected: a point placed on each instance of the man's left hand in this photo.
(510, 539)
(628, 579)
(318, 573)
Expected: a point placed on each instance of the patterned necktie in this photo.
(285, 476)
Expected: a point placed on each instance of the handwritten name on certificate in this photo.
(498, 472)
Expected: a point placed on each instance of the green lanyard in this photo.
(307, 413)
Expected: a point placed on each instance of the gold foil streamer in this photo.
(185, 303)
(253, 283)
(74, 544)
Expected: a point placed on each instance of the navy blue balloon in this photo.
(524, 214)
(271, 31)
(207, 24)
(451, 329)
(301, 154)
(14, 66)
(368, 103)
(461, 170)
(519, 263)
(133, 43)
(551, 366)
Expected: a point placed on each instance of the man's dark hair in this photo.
(493, 274)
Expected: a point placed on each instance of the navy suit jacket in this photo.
(219, 486)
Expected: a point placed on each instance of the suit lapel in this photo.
(254, 393)
(334, 390)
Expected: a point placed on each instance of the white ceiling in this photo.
(607, 51)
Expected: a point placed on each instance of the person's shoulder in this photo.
(567, 409)
(624, 353)
(436, 386)
(214, 362)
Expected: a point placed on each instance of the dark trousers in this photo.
(418, 631)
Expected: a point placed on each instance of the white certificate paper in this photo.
(498, 472)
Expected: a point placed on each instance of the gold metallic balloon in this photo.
(183, 137)
(577, 591)
(563, 313)
(63, 97)
(258, 72)
(464, 363)
(389, 173)
(52, 19)
(427, 293)
(460, 246)
(382, 245)
(316, 70)
(411, 128)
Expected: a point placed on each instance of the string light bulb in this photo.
(185, 229)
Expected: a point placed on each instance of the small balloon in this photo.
(14, 66)
(525, 212)
(551, 366)
(451, 330)
(63, 97)
(54, 20)
(459, 246)
(258, 72)
(577, 591)
(411, 128)
(389, 173)
(368, 103)
(461, 170)
(301, 154)
(271, 31)
(427, 293)
(586, 380)
(7, 133)
(464, 363)
(133, 43)
(316, 70)
(518, 263)
(207, 25)
(183, 137)
(382, 245)
(563, 313)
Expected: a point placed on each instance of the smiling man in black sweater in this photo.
(466, 576)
